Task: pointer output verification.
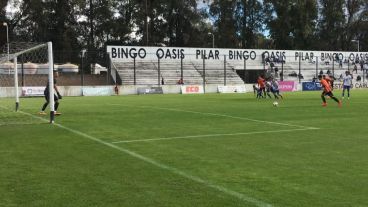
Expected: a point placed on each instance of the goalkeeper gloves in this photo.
(59, 96)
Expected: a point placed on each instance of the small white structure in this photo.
(7, 68)
(28, 67)
(97, 69)
(68, 68)
(43, 69)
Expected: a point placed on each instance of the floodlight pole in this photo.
(7, 37)
(146, 23)
(213, 39)
(357, 41)
(82, 68)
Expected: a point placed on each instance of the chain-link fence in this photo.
(225, 70)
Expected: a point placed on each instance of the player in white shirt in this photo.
(268, 88)
(275, 89)
(347, 82)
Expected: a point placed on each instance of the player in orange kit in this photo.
(330, 81)
(327, 91)
(262, 85)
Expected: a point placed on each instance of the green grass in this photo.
(231, 160)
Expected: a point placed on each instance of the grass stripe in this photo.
(222, 115)
(222, 189)
(211, 135)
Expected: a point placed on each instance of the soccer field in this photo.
(186, 150)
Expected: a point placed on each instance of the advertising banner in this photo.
(231, 89)
(98, 91)
(192, 89)
(311, 86)
(128, 53)
(33, 91)
(150, 90)
(287, 86)
(355, 85)
(316, 86)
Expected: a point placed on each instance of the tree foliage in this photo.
(74, 25)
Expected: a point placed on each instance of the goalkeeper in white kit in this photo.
(57, 97)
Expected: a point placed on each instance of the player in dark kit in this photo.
(47, 96)
(327, 91)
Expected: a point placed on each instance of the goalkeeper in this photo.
(47, 96)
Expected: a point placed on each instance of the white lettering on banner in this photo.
(361, 85)
(98, 91)
(33, 91)
(356, 85)
(129, 53)
(231, 89)
(192, 89)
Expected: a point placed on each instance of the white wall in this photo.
(132, 90)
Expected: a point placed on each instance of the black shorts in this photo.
(327, 93)
(47, 97)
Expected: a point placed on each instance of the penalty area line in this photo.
(153, 162)
(212, 135)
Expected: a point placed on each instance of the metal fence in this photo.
(226, 71)
(96, 68)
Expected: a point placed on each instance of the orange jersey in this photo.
(329, 80)
(261, 82)
(326, 85)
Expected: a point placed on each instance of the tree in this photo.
(331, 24)
(2, 19)
(304, 15)
(292, 23)
(224, 23)
(249, 16)
(356, 21)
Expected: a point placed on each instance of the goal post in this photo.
(41, 54)
(51, 81)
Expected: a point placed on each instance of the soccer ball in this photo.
(275, 104)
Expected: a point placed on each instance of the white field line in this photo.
(174, 170)
(211, 135)
(222, 115)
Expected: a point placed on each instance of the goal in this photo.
(30, 70)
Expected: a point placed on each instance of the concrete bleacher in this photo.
(310, 70)
(146, 72)
(215, 72)
(170, 71)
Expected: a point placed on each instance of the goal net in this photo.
(26, 72)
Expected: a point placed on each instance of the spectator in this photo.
(162, 81)
(314, 79)
(272, 65)
(355, 68)
(359, 78)
(361, 65)
(180, 81)
(116, 89)
(321, 72)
